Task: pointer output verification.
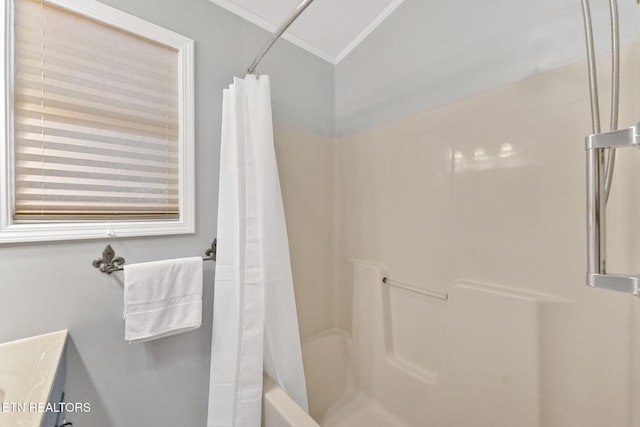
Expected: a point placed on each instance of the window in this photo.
(99, 124)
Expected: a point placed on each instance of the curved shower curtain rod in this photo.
(281, 29)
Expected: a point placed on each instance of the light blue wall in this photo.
(52, 286)
(429, 53)
(302, 84)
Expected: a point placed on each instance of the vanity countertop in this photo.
(27, 371)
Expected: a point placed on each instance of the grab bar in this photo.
(597, 276)
(415, 289)
(110, 262)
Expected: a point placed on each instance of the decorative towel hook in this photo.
(109, 261)
(212, 252)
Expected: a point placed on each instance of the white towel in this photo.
(162, 298)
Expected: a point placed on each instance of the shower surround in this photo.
(482, 199)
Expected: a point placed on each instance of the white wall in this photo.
(306, 171)
(438, 198)
(429, 53)
(430, 80)
(52, 286)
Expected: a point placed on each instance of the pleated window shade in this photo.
(96, 120)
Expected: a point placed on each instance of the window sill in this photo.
(42, 232)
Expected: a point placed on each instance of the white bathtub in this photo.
(279, 410)
(326, 360)
(459, 354)
(334, 400)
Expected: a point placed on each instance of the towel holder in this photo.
(110, 262)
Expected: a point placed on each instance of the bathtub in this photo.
(279, 410)
(334, 399)
(412, 361)
(326, 382)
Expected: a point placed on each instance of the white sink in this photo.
(27, 371)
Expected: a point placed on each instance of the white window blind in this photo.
(96, 121)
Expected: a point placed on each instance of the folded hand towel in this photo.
(162, 298)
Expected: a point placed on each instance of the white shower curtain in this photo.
(255, 325)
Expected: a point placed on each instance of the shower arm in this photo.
(595, 145)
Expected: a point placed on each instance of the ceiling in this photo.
(329, 29)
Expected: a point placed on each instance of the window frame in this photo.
(34, 231)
